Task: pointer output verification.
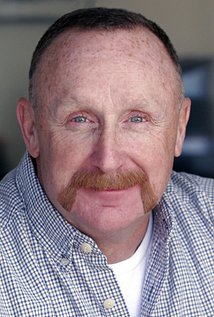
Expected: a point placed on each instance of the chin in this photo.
(107, 220)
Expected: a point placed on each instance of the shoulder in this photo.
(193, 189)
(189, 200)
(189, 183)
(192, 202)
(188, 203)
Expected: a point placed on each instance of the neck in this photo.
(122, 245)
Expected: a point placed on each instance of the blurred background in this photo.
(189, 24)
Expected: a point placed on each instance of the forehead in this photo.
(137, 54)
(139, 43)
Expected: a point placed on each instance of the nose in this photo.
(108, 154)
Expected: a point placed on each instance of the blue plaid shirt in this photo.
(48, 268)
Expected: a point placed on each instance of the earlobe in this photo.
(26, 119)
(182, 124)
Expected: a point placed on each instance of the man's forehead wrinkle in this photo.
(69, 46)
(69, 52)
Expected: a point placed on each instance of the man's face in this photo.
(108, 104)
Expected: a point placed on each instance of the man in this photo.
(93, 221)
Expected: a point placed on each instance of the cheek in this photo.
(63, 148)
(154, 154)
(62, 155)
(152, 148)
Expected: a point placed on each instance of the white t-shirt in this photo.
(130, 273)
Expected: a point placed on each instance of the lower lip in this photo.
(110, 192)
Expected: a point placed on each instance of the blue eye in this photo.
(137, 119)
(79, 119)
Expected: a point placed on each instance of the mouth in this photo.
(113, 190)
(109, 190)
(110, 197)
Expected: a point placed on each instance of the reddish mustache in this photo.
(100, 181)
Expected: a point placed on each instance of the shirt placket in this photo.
(100, 285)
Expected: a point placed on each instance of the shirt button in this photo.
(64, 261)
(109, 303)
(86, 247)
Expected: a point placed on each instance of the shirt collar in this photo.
(164, 214)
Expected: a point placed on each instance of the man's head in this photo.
(107, 105)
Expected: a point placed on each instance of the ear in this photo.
(26, 118)
(182, 123)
